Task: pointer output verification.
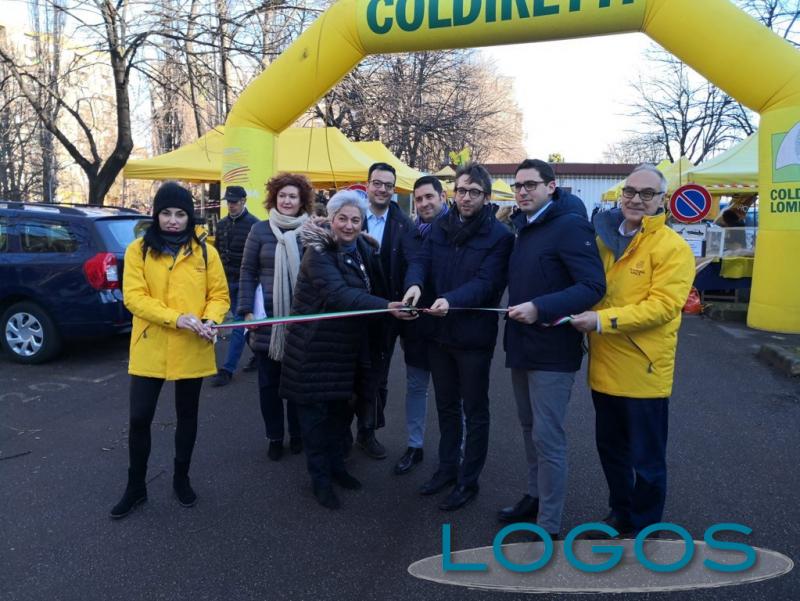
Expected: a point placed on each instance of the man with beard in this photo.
(464, 262)
(431, 205)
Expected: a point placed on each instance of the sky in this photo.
(573, 93)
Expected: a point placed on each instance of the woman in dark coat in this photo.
(272, 259)
(340, 271)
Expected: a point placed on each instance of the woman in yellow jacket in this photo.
(633, 334)
(176, 289)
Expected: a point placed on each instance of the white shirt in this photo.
(539, 212)
(622, 231)
(376, 225)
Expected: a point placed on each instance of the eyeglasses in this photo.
(530, 186)
(474, 193)
(376, 183)
(645, 195)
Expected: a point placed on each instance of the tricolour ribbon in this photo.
(271, 321)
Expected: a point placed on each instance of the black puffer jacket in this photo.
(320, 357)
(231, 234)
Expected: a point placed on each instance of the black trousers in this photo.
(324, 428)
(143, 400)
(269, 382)
(461, 382)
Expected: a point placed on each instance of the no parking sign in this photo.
(690, 203)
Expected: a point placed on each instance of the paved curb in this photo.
(786, 359)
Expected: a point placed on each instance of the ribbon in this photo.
(271, 321)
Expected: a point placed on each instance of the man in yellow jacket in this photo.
(633, 334)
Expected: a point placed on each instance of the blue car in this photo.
(61, 275)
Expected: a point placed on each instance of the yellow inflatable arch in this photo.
(717, 39)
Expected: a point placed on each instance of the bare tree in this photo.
(48, 25)
(781, 16)
(423, 105)
(690, 116)
(684, 114)
(19, 177)
(207, 51)
(110, 41)
(642, 148)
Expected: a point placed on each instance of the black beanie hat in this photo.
(172, 195)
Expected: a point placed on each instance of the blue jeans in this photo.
(236, 344)
(542, 398)
(632, 443)
(416, 404)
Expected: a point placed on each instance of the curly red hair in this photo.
(280, 181)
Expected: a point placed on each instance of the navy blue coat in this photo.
(571, 202)
(555, 264)
(472, 274)
(401, 241)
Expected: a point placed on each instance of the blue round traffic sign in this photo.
(690, 203)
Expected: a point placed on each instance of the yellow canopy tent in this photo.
(501, 191)
(198, 161)
(406, 176)
(734, 171)
(446, 172)
(676, 174)
(324, 155)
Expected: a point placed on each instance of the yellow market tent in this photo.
(446, 172)
(406, 176)
(734, 171)
(325, 155)
(676, 174)
(198, 161)
(501, 192)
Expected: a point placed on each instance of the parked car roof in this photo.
(88, 211)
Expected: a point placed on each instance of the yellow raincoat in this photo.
(634, 355)
(158, 290)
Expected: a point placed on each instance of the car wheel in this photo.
(28, 333)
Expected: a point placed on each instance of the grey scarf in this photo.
(287, 265)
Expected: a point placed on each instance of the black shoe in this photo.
(346, 480)
(296, 445)
(624, 527)
(525, 510)
(370, 445)
(251, 365)
(437, 483)
(180, 484)
(135, 494)
(275, 451)
(410, 458)
(458, 497)
(222, 378)
(326, 497)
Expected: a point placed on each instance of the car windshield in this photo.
(119, 233)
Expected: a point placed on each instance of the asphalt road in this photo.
(257, 532)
